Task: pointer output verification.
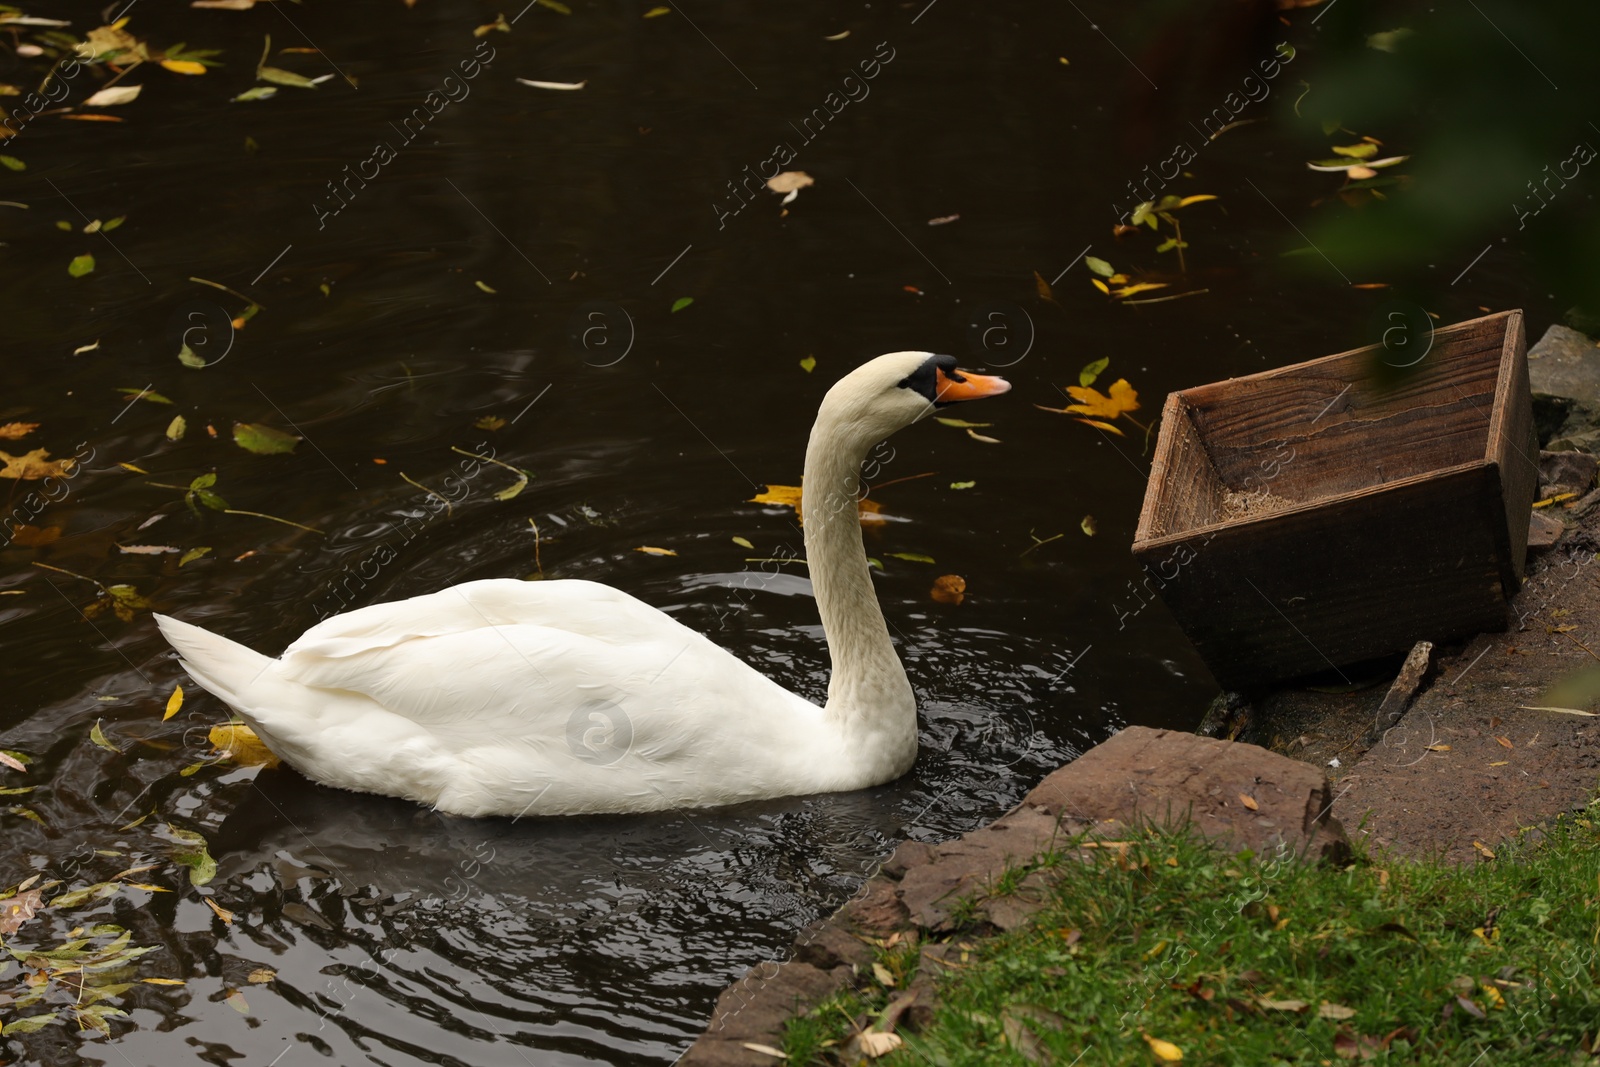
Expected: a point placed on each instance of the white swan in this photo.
(506, 697)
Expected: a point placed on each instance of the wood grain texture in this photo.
(1408, 496)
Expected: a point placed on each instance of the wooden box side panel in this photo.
(1514, 447)
(1323, 587)
(1184, 491)
(1336, 426)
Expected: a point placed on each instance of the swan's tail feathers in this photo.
(224, 668)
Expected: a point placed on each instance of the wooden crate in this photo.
(1400, 514)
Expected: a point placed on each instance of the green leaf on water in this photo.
(195, 855)
(193, 554)
(80, 265)
(263, 440)
(178, 426)
(279, 76)
(962, 424)
(30, 1024)
(189, 358)
(259, 92)
(486, 288)
(743, 543)
(112, 224)
(98, 736)
(555, 5)
(86, 895)
(808, 364)
(12, 163)
(962, 485)
(143, 394)
(1091, 371)
(914, 557)
(1098, 265)
(64, 225)
(682, 302)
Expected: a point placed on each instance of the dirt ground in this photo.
(1473, 759)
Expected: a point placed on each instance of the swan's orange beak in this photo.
(967, 386)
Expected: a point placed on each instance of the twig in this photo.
(536, 540)
(274, 518)
(448, 510)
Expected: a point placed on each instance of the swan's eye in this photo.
(926, 379)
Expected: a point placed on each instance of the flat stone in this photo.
(1544, 530)
(1565, 363)
(1163, 775)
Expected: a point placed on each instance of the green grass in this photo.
(1250, 960)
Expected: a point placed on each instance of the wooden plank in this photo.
(1184, 491)
(1514, 447)
(1317, 586)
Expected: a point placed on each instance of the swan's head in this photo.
(895, 390)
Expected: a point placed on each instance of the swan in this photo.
(566, 697)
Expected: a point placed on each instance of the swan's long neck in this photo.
(868, 693)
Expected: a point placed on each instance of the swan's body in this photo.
(505, 697)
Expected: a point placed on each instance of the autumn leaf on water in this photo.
(949, 589)
(174, 702)
(651, 550)
(1122, 398)
(13, 430)
(240, 744)
(788, 496)
(34, 465)
(263, 440)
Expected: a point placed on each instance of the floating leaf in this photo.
(1091, 371)
(29, 1024)
(258, 92)
(195, 855)
(682, 302)
(976, 436)
(1364, 150)
(278, 76)
(144, 394)
(87, 895)
(163, 981)
(18, 910)
(12, 163)
(177, 427)
(184, 66)
(949, 589)
(914, 557)
(486, 288)
(80, 265)
(1144, 287)
(790, 181)
(174, 702)
(12, 430)
(808, 364)
(261, 976)
(31, 466)
(651, 550)
(263, 440)
(742, 543)
(1100, 266)
(113, 95)
(657, 12)
(555, 5)
(1042, 287)
(1122, 398)
(1089, 526)
(222, 913)
(962, 424)
(962, 485)
(98, 736)
(559, 86)
(490, 422)
(239, 743)
(193, 554)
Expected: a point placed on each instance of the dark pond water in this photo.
(400, 936)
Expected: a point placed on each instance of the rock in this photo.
(1165, 775)
(1565, 363)
(1566, 472)
(1544, 531)
(1138, 775)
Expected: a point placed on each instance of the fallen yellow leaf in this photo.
(1165, 1051)
(788, 496)
(1138, 287)
(184, 66)
(34, 465)
(239, 743)
(1121, 398)
(174, 702)
(1248, 801)
(651, 550)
